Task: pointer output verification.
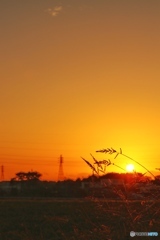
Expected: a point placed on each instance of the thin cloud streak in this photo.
(55, 11)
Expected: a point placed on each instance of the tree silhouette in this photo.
(30, 176)
(27, 176)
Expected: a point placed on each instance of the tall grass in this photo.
(126, 215)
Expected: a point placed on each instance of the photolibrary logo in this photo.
(133, 234)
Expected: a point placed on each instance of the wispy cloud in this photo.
(55, 11)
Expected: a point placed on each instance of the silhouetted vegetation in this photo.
(29, 185)
(96, 207)
(27, 176)
(126, 187)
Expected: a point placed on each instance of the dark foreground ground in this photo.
(77, 219)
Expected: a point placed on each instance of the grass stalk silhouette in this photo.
(141, 214)
(112, 151)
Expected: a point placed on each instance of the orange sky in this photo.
(78, 76)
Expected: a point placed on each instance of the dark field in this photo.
(49, 219)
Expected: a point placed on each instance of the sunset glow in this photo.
(78, 76)
(130, 167)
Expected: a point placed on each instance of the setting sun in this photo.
(130, 167)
